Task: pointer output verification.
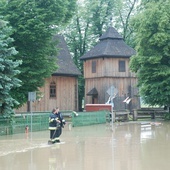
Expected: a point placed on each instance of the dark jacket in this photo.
(53, 124)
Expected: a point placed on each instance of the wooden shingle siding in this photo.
(122, 84)
(102, 84)
(65, 93)
(65, 98)
(108, 67)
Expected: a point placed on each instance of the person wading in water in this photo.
(56, 123)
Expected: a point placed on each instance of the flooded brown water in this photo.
(124, 146)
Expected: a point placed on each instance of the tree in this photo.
(85, 29)
(91, 20)
(35, 22)
(124, 11)
(8, 70)
(152, 62)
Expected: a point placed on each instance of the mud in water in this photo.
(123, 146)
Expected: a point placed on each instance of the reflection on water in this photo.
(124, 146)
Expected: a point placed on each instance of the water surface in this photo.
(123, 146)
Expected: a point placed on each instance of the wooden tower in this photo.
(107, 73)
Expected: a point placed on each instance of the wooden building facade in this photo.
(61, 89)
(107, 73)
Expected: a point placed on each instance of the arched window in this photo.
(52, 89)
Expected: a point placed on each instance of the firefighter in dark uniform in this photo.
(56, 123)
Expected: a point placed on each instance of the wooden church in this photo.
(107, 74)
(61, 89)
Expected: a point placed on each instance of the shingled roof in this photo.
(65, 63)
(111, 45)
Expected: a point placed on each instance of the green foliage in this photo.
(85, 28)
(102, 12)
(8, 71)
(34, 23)
(91, 20)
(167, 116)
(152, 62)
(124, 11)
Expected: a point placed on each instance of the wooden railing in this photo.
(148, 113)
(121, 115)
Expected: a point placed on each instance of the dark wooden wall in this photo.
(107, 67)
(66, 95)
(107, 75)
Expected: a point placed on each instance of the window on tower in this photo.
(122, 66)
(93, 66)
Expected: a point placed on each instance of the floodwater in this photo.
(122, 146)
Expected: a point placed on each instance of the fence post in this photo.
(113, 116)
(135, 115)
(153, 115)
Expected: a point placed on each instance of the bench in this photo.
(148, 113)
